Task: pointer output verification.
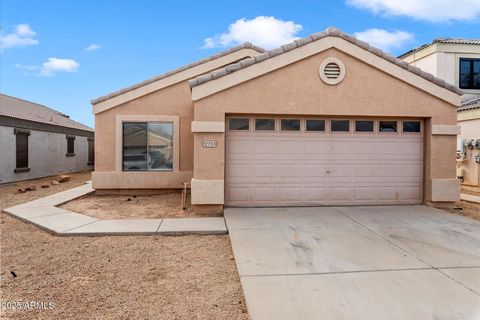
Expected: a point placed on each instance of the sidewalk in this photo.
(45, 214)
(470, 197)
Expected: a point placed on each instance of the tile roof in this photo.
(21, 109)
(470, 104)
(441, 40)
(246, 45)
(330, 32)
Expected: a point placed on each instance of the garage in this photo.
(302, 161)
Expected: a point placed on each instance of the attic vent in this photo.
(332, 71)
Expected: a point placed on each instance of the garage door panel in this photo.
(324, 168)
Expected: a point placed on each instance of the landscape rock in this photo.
(63, 179)
(55, 182)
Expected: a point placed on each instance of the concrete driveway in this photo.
(395, 262)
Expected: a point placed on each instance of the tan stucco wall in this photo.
(296, 89)
(171, 101)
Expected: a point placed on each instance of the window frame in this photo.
(147, 147)
(120, 119)
(275, 124)
(239, 117)
(406, 132)
(69, 139)
(397, 131)
(341, 132)
(290, 131)
(471, 76)
(325, 125)
(364, 132)
(22, 132)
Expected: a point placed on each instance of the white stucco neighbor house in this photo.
(36, 141)
(457, 61)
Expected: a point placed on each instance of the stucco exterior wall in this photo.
(296, 89)
(171, 101)
(470, 130)
(47, 155)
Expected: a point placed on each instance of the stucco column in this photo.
(441, 184)
(208, 166)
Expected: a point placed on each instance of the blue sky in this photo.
(45, 54)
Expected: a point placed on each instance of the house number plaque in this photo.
(209, 143)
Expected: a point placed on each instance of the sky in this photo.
(63, 54)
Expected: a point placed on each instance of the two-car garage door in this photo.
(282, 161)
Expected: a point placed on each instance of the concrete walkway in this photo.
(44, 213)
(357, 263)
(470, 197)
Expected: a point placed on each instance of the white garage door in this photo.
(288, 161)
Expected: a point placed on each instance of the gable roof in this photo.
(441, 40)
(21, 109)
(330, 32)
(216, 56)
(470, 105)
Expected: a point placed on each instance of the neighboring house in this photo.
(457, 61)
(36, 141)
(324, 120)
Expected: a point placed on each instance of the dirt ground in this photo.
(167, 205)
(8, 197)
(154, 277)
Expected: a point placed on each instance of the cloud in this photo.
(93, 47)
(385, 40)
(430, 10)
(266, 32)
(22, 36)
(55, 65)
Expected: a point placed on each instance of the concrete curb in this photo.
(44, 214)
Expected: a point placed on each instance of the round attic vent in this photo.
(332, 70)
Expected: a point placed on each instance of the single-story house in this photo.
(324, 120)
(37, 141)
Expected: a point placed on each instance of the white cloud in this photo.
(385, 40)
(93, 47)
(55, 65)
(430, 10)
(265, 32)
(22, 36)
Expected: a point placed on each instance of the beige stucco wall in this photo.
(470, 130)
(171, 101)
(296, 89)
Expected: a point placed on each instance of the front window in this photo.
(147, 146)
(21, 153)
(469, 74)
(70, 146)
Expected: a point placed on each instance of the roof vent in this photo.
(332, 70)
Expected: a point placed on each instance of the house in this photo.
(36, 141)
(324, 120)
(457, 61)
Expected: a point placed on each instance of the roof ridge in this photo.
(246, 45)
(332, 32)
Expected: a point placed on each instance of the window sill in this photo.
(18, 170)
(70, 155)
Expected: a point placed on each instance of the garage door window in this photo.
(387, 126)
(239, 124)
(411, 126)
(265, 124)
(340, 125)
(315, 125)
(364, 126)
(290, 124)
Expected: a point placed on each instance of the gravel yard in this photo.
(168, 205)
(150, 277)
